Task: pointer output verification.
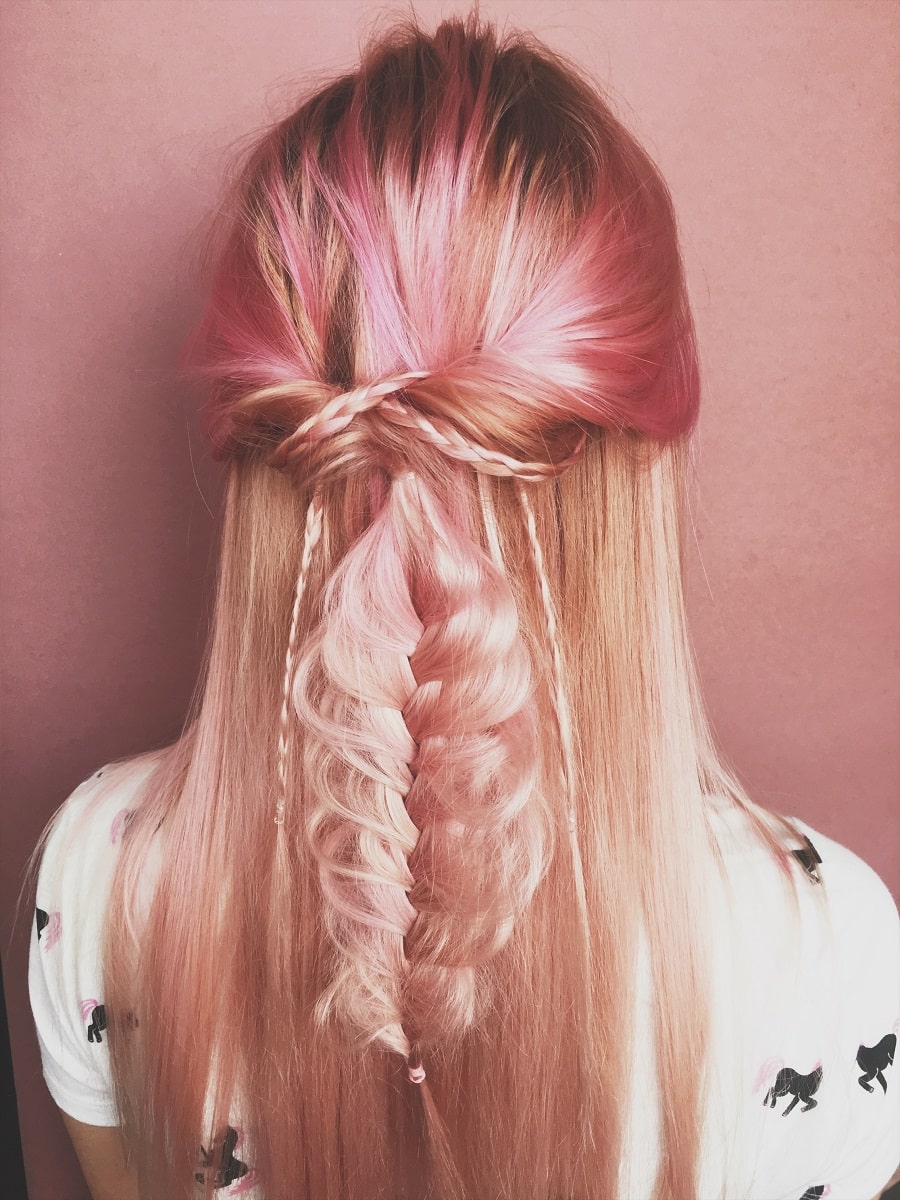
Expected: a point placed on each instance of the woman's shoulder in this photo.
(825, 871)
(818, 909)
(856, 892)
(78, 854)
(809, 962)
(88, 826)
(863, 928)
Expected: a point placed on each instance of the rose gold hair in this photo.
(449, 758)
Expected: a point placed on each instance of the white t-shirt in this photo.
(803, 1099)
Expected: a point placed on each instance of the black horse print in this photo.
(801, 1087)
(808, 858)
(48, 927)
(98, 1023)
(219, 1165)
(874, 1061)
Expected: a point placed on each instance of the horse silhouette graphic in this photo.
(219, 1165)
(874, 1061)
(789, 1082)
(48, 927)
(97, 1013)
(809, 859)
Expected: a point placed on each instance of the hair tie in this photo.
(416, 1071)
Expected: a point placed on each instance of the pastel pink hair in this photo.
(449, 753)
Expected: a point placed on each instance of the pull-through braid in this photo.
(415, 698)
(336, 416)
(419, 765)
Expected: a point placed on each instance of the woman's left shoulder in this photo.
(862, 912)
(863, 928)
(808, 975)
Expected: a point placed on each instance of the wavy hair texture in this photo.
(449, 762)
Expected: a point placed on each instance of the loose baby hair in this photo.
(448, 764)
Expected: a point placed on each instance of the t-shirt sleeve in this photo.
(65, 975)
(866, 932)
(809, 982)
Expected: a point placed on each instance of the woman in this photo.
(445, 892)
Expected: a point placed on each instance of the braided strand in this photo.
(568, 768)
(560, 700)
(454, 444)
(425, 821)
(337, 412)
(489, 518)
(311, 534)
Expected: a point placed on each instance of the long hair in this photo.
(448, 768)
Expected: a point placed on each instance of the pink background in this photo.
(775, 124)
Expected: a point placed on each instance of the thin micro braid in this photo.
(490, 521)
(342, 407)
(456, 445)
(567, 746)
(560, 700)
(312, 532)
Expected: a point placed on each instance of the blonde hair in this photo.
(449, 760)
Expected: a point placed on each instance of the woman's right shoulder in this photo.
(78, 855)
(82, 836)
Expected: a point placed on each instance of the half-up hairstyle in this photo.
(448, 766)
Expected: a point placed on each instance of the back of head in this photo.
(407, 842)
(466, 209)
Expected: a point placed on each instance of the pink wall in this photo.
(775, 124)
